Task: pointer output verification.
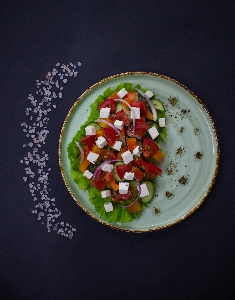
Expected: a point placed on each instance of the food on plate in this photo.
(116, 154)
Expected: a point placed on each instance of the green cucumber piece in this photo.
(114, 171)
(158, 104)
(133, 184)
(119, 107)
(151, 190)
(96, 125)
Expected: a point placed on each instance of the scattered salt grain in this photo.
(37, 133)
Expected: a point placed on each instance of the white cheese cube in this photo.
(137, 151)
(117, 145)
(149, 94)
(87, 174)
(127, 157)
(153, 132)
(123, 187)
(129, 175)
(106, 193)
(136, 112)
(104, 112)
(162, 122)
(144, 190)
(107, 168)
(122, 93)
(118, 124)
(92, 157)
(101, 142)
(108, 206)
(90, 130)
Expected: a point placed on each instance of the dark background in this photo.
(190, 41)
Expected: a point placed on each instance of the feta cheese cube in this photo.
(105, 193)
(137, 151)
(153, 132)
(123, 187)
(87, 174)
(92, 157)
(123, 92)
(144, 190)
(90, 130)
(107, 168)
(129, 175)
(104, 112)
(101, 142)
(136, 112)
(117, 145)
(118, 124)
(127, 157)
(162, 122)
(108, 206)
(149, 94)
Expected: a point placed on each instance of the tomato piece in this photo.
(133, 96)
(110, 135)
(139, 175)
(149, 147)
(119, 155)
(113, 185)
(106, 176)
(86, 151)
(98, 182)
(140, 128)
(89, 141)
(123, 197)
(99, 133)
(122, 169)
(131, 143)
(138, 162)
(122, 116)
(113, 96)
(149, 115)
(151, 171)
(100, 185)
(83, 165)
(159, 155)
(142, 106)
(100, 151)
(108, 103)
(135, 207)
(104, 125)
(110, 154)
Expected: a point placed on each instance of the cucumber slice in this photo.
(114, 171)
(96, 125)
(158, 104)
(119, 107)
(133, 184)
(151, 190)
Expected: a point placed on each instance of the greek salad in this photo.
(116, 154)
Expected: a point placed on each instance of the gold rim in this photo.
(112, 225)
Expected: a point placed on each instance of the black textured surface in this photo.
(190, 41)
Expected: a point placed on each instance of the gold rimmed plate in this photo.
(192, 152)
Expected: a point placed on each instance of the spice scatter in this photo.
(183, 180)
(35, 160)
(198, 155)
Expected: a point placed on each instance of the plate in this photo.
(192, 152)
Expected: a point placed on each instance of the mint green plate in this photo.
(192, 153)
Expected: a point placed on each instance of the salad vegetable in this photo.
(115, 153)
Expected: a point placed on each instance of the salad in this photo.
(116, 153)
